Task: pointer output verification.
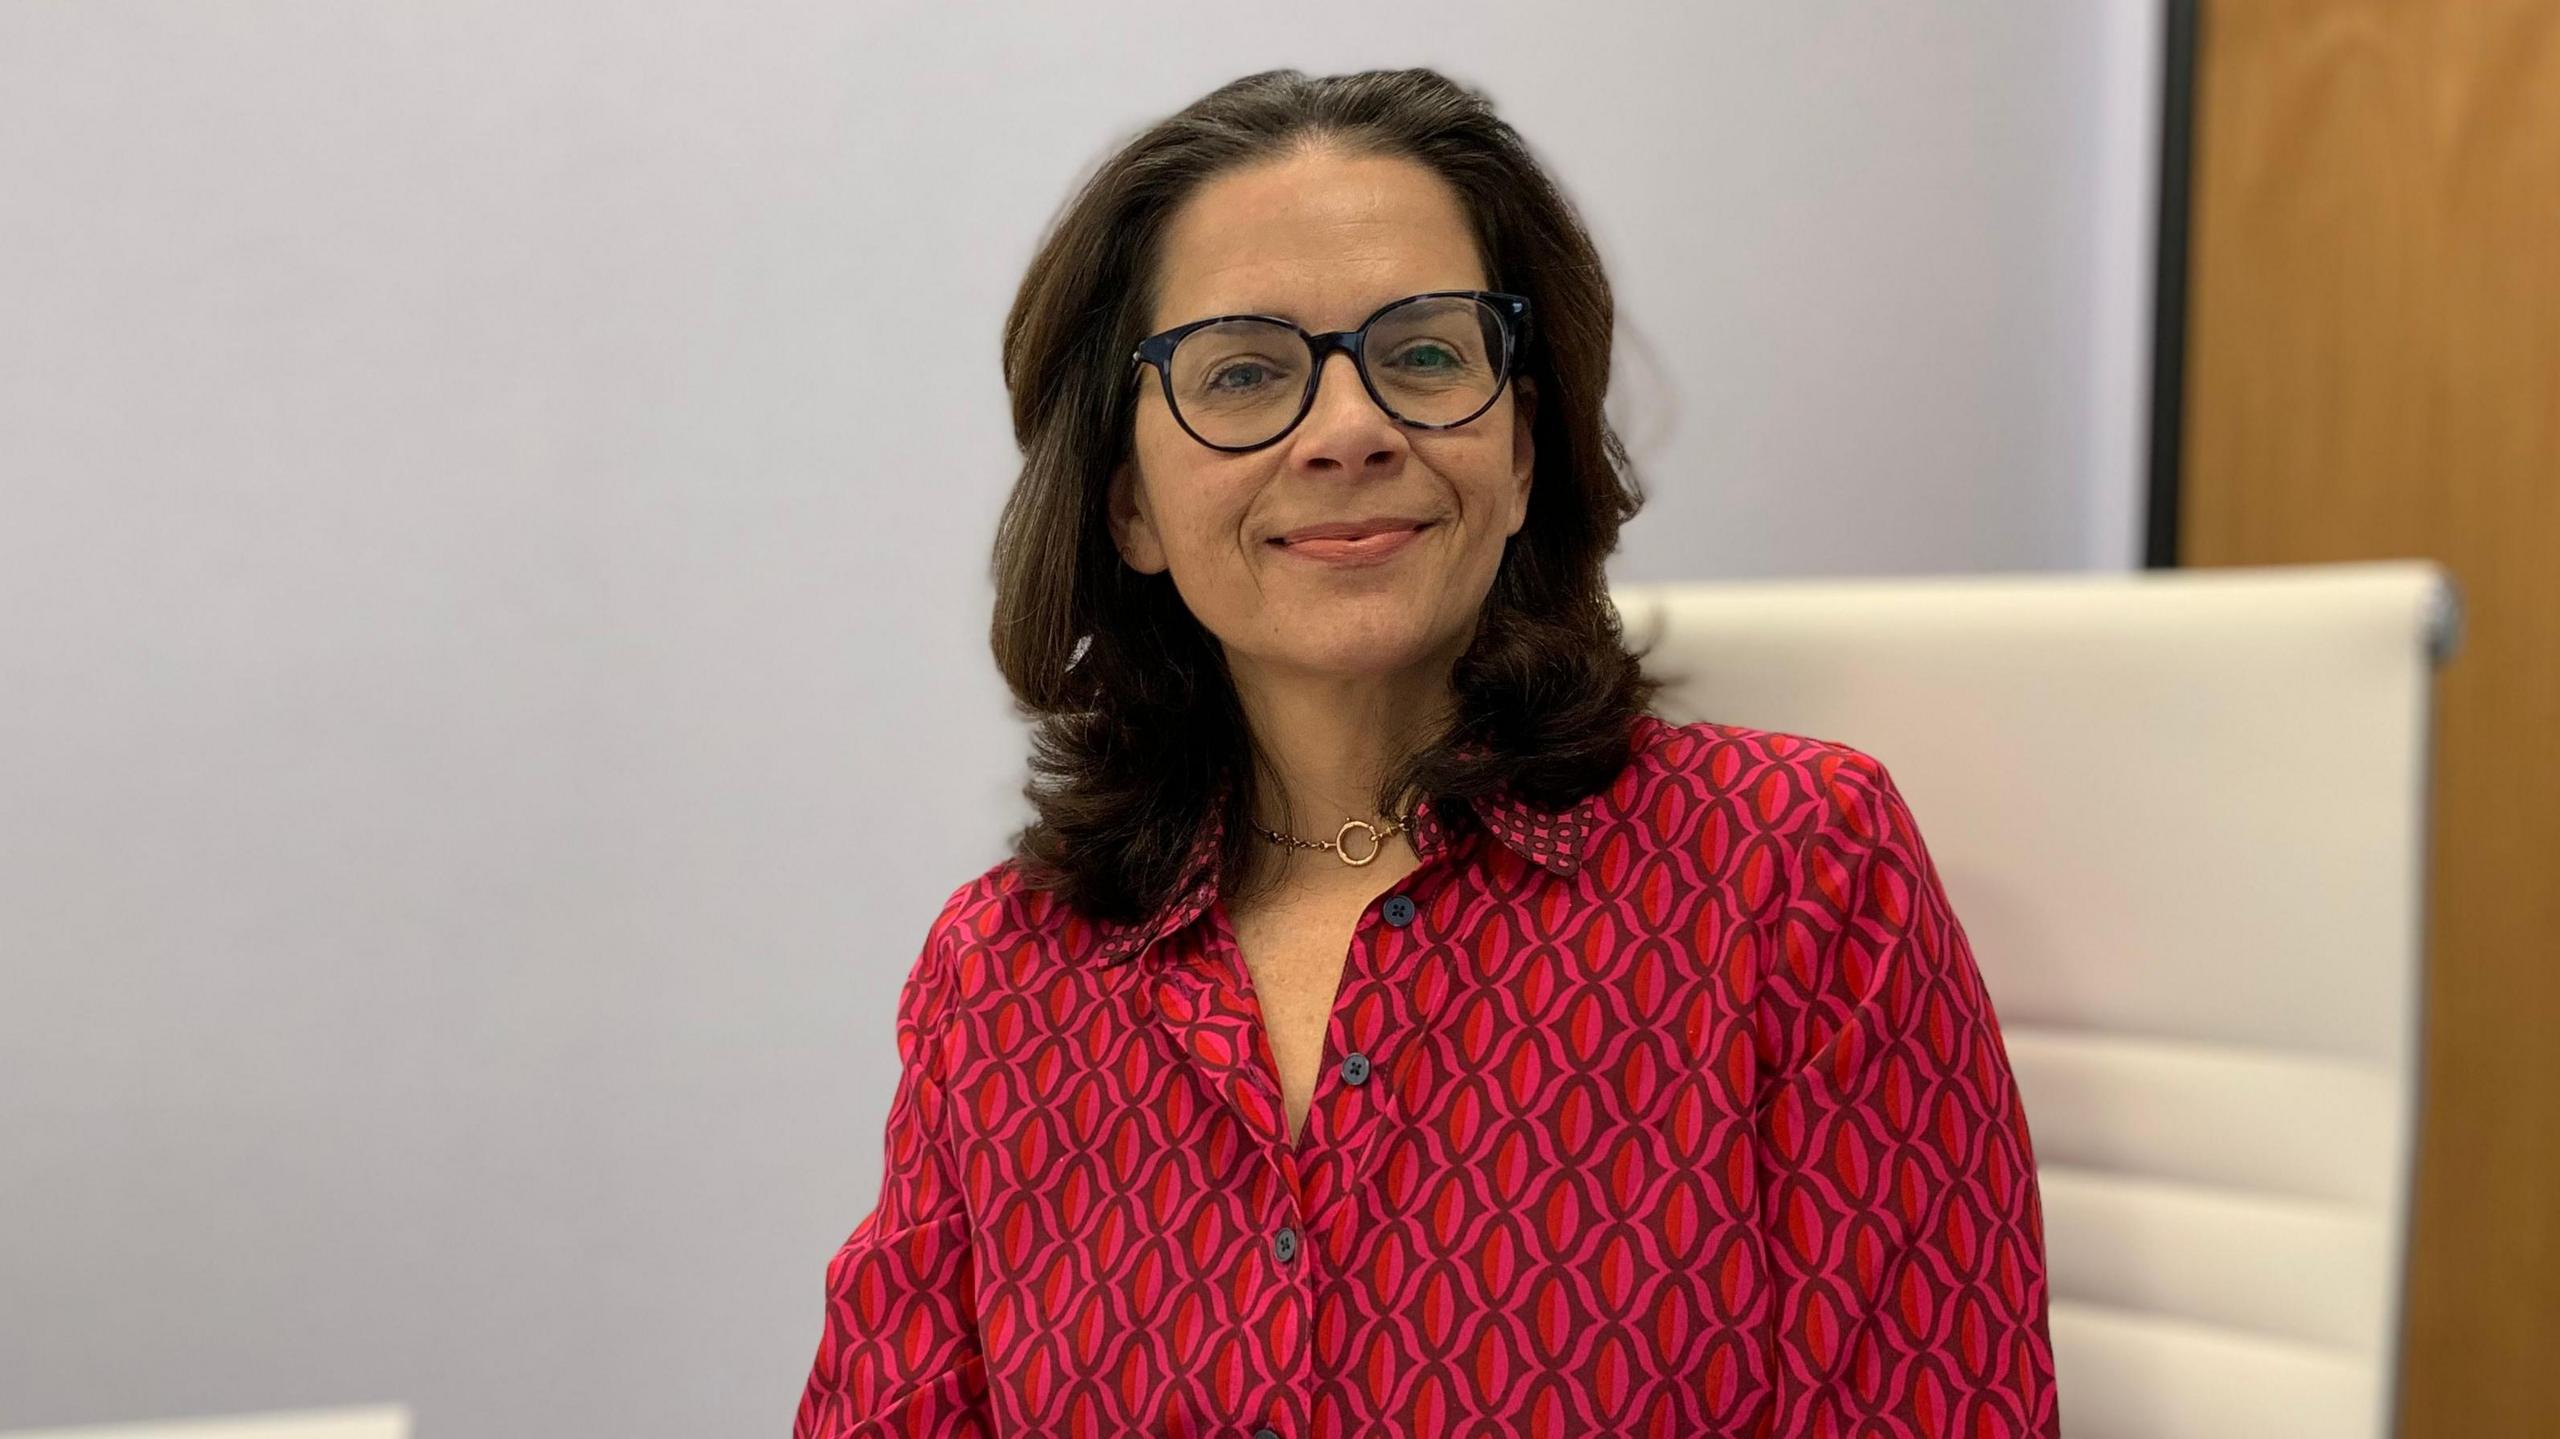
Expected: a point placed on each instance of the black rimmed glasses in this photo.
(1433, 361)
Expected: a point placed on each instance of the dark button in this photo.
(1355, 1070)
(1285, 1244)
(1266, 1432)
(1398, 910)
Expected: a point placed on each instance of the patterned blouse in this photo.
(1680, 1111)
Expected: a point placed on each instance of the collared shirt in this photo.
(1679, 1111)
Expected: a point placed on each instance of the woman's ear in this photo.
(1132, 532)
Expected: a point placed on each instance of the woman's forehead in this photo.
(1321, 241)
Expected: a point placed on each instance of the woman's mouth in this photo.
(1353, 550)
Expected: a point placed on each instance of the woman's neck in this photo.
(1328, 742)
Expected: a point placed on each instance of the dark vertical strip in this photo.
(2169, 282)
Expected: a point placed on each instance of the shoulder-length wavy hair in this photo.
(1136, 726)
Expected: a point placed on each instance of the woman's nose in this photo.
(1345, 425)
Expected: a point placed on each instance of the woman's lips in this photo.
(1367, 549)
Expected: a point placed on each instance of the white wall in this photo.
(493, 513)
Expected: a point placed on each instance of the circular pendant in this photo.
(1342, 841)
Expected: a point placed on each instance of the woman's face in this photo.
(1323, 241)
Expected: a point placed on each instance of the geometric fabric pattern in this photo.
(1678, 1112)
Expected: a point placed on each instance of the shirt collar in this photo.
(1550, 838)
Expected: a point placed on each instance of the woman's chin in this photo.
(1349, 651)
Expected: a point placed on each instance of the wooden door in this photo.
(2373, 370)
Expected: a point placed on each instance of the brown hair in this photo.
(1136, 725)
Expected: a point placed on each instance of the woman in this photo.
(1389, 1025)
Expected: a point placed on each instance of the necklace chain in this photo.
(1340, 843)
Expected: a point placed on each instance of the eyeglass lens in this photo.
(1434, 361)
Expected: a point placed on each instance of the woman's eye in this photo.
(1228, 378)
(1427, 357)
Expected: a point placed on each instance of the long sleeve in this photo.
(900, 1353)
(1903, 1227)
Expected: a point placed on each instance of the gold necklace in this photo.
(1339, 843)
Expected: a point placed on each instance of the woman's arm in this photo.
(1901, 1218)
(899, 1355)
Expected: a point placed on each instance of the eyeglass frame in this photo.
(1156, 350)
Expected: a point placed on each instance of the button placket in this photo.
(1352, 1120)
(1297, 1284)
(1399, 911)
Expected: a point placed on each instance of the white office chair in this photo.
(388, 1421)
(2182, 817)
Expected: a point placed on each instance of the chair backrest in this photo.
(2181, 816)
(387, 1421)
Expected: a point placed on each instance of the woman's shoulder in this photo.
(996, 905)
(997, 932)
(1719, 757)
(1723, 793)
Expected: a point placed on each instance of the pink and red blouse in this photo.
(1680, 1111)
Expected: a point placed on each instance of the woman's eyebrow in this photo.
(1294, 316)
(1277, 312)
